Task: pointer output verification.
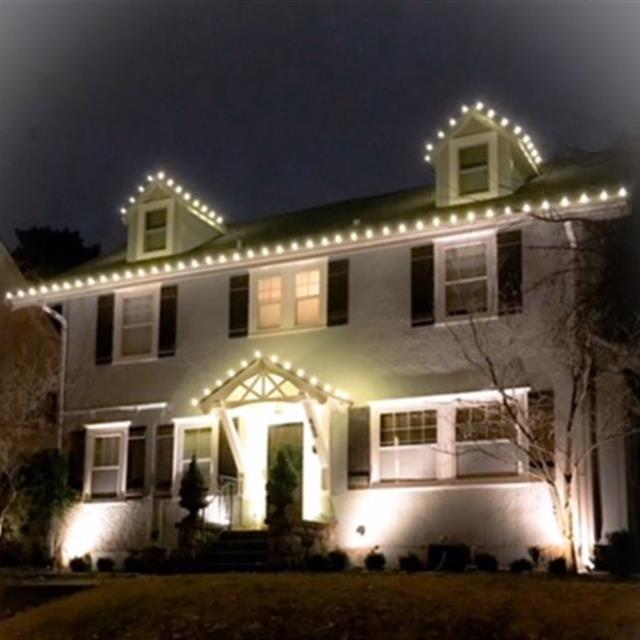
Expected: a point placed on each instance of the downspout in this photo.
(64, 328)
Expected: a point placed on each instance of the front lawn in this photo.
(343, 606)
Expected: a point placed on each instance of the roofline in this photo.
(350, 240)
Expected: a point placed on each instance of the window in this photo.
(106, 465)
(288, 297)
(270, 302)
(136, 457)
(308, 298)
(136, 324)
(487, 421)
(473, 167)
(155, 230)
(197, 442)
(409, 427)
(466, 285)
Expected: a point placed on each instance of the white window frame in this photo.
(441, 245)
(288, 273)
(143, 209)
(184, 424)
(445, 405)
(105, 430)
(489, 138)
(134, 292)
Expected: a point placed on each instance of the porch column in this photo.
(236, 449)
(315, 467)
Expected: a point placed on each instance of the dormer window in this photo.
(473, 167)
(155, 230)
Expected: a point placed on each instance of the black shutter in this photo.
(77, 441)
(338, 293)
(541, 427)
(136, 460)
(422, 307)
(359, 447)
(239, 306)
(164, 458)
(104, 329)
(510, 272)
(168, 321)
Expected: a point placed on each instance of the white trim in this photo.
(478, 395)
(141, 217)
(490, 138)
(134, 292)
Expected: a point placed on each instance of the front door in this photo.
(288, 437)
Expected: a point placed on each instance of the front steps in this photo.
(239, 551)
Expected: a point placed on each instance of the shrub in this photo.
(339, 560)
(448, 557)
(375, 560)
(154, 560)
(133, 562)
(557, 566)
(12, 554)
(534, 554)
(521, 565)
(620, 556)
(410, 563)
(80, 564)
(486, 562)
(105, 564)
(319, 562)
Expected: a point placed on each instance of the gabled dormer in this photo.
(165, 220)
(480, 156)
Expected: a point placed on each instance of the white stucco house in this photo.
(354, 332)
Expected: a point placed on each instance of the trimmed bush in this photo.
(375, 560)
(12, 554)
(534, 554)
(105, 564)
(486, 562)
(410, 563)
(133, 563)
(448, 557)
(557, 567)
(319, 562)
(339, 560)
(521, 566)
(620, 556)
(80, 564)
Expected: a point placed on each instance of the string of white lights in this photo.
(296, 247)
(285, 366)
(524, 139)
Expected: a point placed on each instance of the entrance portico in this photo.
(263, 395)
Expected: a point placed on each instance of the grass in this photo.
(342, 606)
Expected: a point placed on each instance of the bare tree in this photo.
(576, 334)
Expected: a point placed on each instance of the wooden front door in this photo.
(288, 436)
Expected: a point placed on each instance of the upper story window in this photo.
(289, 297)
(466, 278)
(473, 169)
(136, 324)
(155, 230)
(408, 427)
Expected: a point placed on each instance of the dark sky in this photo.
(260, 108)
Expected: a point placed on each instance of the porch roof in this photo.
(268, 380)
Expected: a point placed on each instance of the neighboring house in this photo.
(348, 331)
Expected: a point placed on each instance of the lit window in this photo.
(106, 463)
(197, 442)
(269, 302)
(137, 331)
(308, 297)
(155, 230)
(473, 169)
(466, 280)
(408, 427)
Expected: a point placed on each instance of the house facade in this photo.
(394, 341)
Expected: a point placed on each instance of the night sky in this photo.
(262, 108)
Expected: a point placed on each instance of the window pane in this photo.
(489, 421)
(269, 315)
(307, 283)
(270, 289)
(155, 240)
(156, 219)
(104, 482)
(107, 451)
(474, 180)
(137, 310)
(197, 442)
(473, 156)
(467, 297)
(136, 341)
(308, 311)
(469, 261)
